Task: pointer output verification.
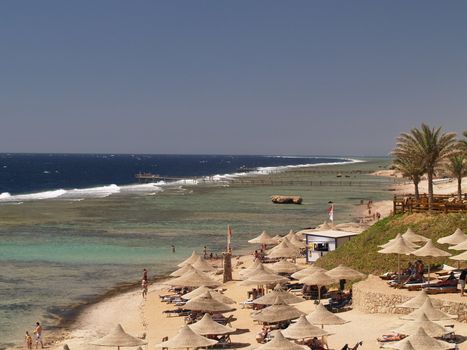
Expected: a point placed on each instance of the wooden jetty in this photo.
(441, 203)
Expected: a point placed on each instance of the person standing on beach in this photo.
(28, 340)
(462, 279)
(145, 274)
(173, 248)
(38, 334)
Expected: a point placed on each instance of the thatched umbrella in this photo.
(261, 277)
(321, 316)
(398, 246)
(456, 238)
(286, 297)
(398, 236)
(421, 340)
(297, 242)
(284, 249)
(306, 272)
(302, 329)
(203, 289)
(205, 302)
(263, 238)
(431, 313)
(277, 238)
(290, 235)
(252, 269)
(429, 250)
(431, 328)
(186, 339)
(193, 279)
(118, 338)
(207, 326)
(279, 311)
(411, 236)
(319, 279)
(189, 260)
(342, 272)
(415, 302)
(284, 266)
(280, 343)
(182, 270)
(201, 264)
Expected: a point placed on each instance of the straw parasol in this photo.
(391, 241)
(411, 236)
(421, 340)
(407, 346)
(252, 269)
(290, 235)
(456, 238)
(415, 302)
(303, 329)
(205, 302)
(119, 338)
(306, 272)
(262, 277)
(284, 249)
(193, 279)
(201, 264)
(284, 266)
(398, 246)
(277, 238)
(431, 328)
(207, 326)
(186, 338)
(203, 289)
(322, 316)
(263, 238)
(270, 298)
(342, 272)
(430, 250)
(182, 270)
(189, 260)
(319, 279)
(297, 242)
(431, 313)
(277, 312)
(280, 343)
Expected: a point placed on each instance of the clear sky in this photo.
(235, 77)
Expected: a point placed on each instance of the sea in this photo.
(75, 228)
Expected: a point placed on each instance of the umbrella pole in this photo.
(398, 268)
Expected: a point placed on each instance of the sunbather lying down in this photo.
(391, 337)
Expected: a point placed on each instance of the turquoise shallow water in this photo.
(57, 254)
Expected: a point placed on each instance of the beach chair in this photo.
(163, 340)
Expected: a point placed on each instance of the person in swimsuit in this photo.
(28, 340)
(38, 334)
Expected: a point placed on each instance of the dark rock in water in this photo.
(286, 199)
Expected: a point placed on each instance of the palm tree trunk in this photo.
(430, 188)
(459, 188)
(417, 193)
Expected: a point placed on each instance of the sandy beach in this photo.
(143, 316)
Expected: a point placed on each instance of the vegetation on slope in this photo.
(361, 252)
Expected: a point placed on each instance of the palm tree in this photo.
(457, 166)
(410, 168)
(431, 146)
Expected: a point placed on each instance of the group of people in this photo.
(414, 272)
(37, 336)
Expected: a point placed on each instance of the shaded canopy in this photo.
(460, 246)
(411, 236)
(306, 272)
(456, 238)
(344, 272)
(398, 246)
(431, 328)
(284, 249)
(188, 339)
(297, 242)
(182, 270)
(119, 338)
(322, 316)
(398, 236)
(429, 249)
(206, 302)
(431, 313)
(277, 312)
(286, 297)
(415, 302)
(189, 260)
(252, 269)
(193, 278)
(284, 266)
(201, 264)
(203, 289)
(262, 277)
(318, 278)
(263, 238)
(421, 340)
(303, 329)
(460, 257)
(280, 343)
(207, 326)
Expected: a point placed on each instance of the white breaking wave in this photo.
(153, 188)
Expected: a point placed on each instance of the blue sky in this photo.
(237, 77)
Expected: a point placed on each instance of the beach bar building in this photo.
(319, 243)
